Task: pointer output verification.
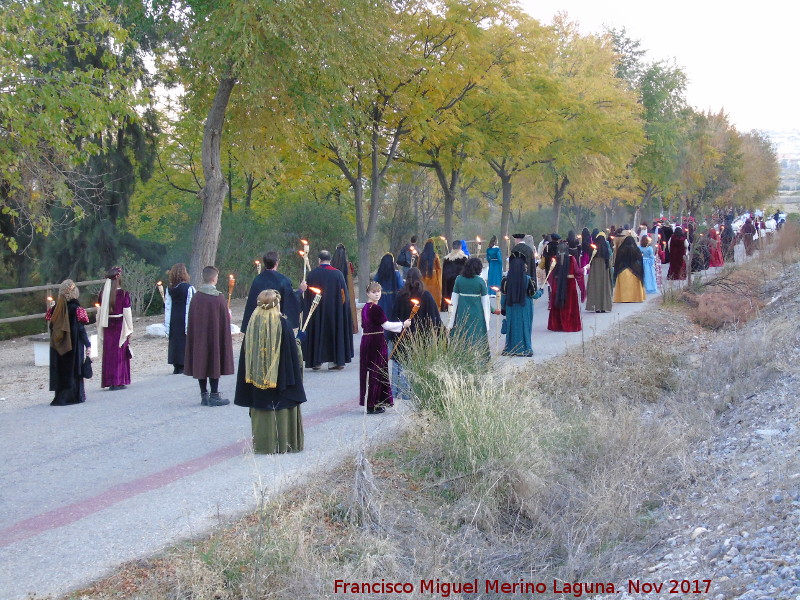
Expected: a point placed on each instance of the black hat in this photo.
(555, 237)
(518, 236)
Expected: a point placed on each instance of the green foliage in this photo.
(140, 278)
(66, 72)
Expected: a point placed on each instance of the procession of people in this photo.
(288, 329)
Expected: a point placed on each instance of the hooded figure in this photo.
(629, 269)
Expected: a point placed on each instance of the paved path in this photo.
(84, 488)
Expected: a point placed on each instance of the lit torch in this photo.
(414, 310)
(160, 286)
(477, 239)
(508, 246)
(314, 303)
(48, 303)
(231, 284)
(258, 266)
(414, 255)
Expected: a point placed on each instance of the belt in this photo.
(372, 332)
(471, 295)
(114, 316)
(570, 276)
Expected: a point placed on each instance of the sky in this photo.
(739, 57)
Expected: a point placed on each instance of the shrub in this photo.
(140, 278)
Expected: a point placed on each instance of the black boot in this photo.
(203, 398)
(216, 399)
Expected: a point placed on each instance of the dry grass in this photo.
(559, 473)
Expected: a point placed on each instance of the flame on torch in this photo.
(314, 303)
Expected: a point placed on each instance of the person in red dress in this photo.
(565, 279)
(677, 248)
(717, 259)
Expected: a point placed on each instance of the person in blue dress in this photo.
(391, 282)
(519, 292)
(464, 247)
(495, 259)
(649, 264)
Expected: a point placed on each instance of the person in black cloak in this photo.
(269, 380)
(270, 279)
(68, 346)
(329, 334)
(574, 245)
(666, 233)
(550, 253)
(727, 237)
(424, 322)
(452, 265)
(522, 249)
(339, 261)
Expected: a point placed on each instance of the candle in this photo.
(258, 266)
(48, 303)
(305, 246)
(477, 239)
(414, 255)
(231, 284)
(498, 293)
(160, 286)
(314, 303)
(508, 246)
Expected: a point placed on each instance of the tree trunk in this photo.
(505, 212)
(637, 214)
(449, 189)
(559, 188)
(212, 196)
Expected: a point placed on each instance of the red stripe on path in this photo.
(66, 515)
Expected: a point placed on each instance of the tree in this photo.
(66, 71)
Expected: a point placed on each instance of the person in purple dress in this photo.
(374, 359)
(114, 328)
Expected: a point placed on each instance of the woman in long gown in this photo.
(565, 279)
(717, 259)
(374, 355)
(391, 282)
(519, 292)
(629, 268)
(649, 266)
(176, 315)
(114, 327)
(586, 247)
(431, 270)
(727, 239)
(339, 261)
(469, 314)
(495, 258)
(68, 346)
(574, 245)
(598, 296)
(666, 234)
(677, 249)
(427, 320)
(269, 380)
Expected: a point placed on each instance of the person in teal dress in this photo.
(519, 291)
(469, 313)
(649, 264)
(495, 258)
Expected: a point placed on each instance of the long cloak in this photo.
(519, 319)
(66, 374)
(272, 280)
(677, 251)
(433, 284)
(209, 348)
(275, 415)
(527, 252)
(329, 335)
(178, 300)
(470, 318)
(599, 291)
(451, 268)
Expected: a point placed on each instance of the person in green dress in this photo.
(519, 291)
(469, 313)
